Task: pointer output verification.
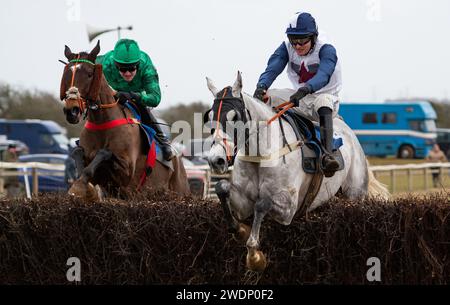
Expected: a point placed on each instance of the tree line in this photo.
(36, 104)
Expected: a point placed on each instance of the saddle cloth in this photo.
(149, 133)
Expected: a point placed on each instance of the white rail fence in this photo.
(25, 169)
(412, 171)
(35, 169)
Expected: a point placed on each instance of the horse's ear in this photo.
(68, 53)
(237, 86)
(93, 54)
(211, 87)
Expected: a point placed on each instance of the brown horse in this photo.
(113, 151)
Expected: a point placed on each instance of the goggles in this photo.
(125, 68)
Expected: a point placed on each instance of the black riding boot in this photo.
(329, 163)
(161, 138)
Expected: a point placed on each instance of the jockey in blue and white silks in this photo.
(315, 73)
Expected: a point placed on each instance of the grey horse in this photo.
(268, 177)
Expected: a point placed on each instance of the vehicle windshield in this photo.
(424, 126)
(61, 139)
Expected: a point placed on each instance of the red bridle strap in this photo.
(227, 147)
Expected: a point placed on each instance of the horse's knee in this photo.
(106, 154)
(223, 188)
(264, 205)
(77, 152)
(102, 155)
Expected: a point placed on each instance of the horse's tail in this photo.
(377, 190)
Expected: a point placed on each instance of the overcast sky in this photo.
(387, 48)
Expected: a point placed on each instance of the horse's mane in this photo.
(255, 105)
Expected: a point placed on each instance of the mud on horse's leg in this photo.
(256, 260)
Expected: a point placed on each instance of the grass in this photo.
(392, 160)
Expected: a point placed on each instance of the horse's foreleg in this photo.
(101, 156)
(78, 155)
(81, 188)
(256, 260)
(223, 192)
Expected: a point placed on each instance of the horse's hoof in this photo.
(77, 190)
(243, 233)
(100, 194)
(257, 262)
(92, 194)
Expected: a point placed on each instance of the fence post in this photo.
(2, 180)
(35, 181)
(409, 180)
(393, 180)
(207, 184)
(425, 172)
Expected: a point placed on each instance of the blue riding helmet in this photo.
(303, 24)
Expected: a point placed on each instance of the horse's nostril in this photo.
(75, 111)
(220, 161)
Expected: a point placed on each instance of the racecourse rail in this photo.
(8, 169)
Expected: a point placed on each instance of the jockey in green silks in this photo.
(132, 74)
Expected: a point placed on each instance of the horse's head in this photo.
(80, 82)
(226, 117)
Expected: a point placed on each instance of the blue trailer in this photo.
(402, 129)
(41, 136)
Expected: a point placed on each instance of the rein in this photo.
(284, 107)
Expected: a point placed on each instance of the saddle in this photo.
(309, 132)
(148, 133)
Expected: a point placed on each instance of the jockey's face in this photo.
(302, 45)
(128, 75)
(303, 50)
(128, 71)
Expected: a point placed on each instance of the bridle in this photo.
(233, 103)
(91, 101)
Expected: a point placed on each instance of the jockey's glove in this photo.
(135, 97)
(123, 97)
(301, 93)
(260, 92)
